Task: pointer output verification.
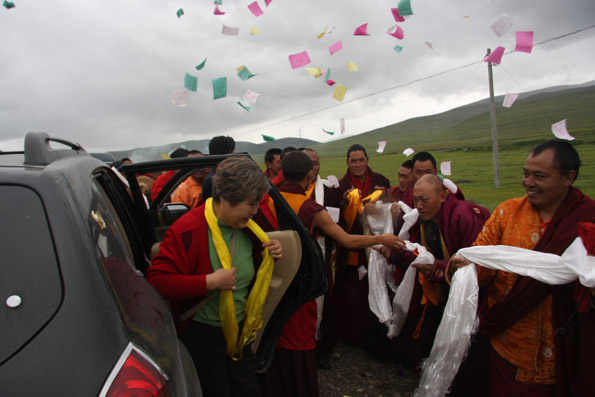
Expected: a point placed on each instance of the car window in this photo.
(30, 285)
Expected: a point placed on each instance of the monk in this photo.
(293, 371)
(350, 297)
(445, 226)
(541, 336)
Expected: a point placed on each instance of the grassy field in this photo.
(463, 136)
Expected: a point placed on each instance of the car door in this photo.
(300, 277)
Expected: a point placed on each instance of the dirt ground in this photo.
(356, 373)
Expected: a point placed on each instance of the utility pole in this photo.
(494, 126)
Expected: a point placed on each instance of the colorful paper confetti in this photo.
(179, 13)
(218, 11)
(396, 15)
(352, 67)
(340, 92)
(254, 30)
(298, 60)
(328, 132)
(244, 74)
(342, 126)
(381, 146)
(255, 9)
(509, 100)
(445, 168)
(321, 35)
(9, 4)
(335, 47)
(245, 107)
(361, 30)
(219, 87)
(408, 152)
(524, 42)
(560, 131)
(190, 82)
(267, 2)
(201, 65)
(268, 138)
(398, 33)
(330, 82)
(496, 56)
(251, 96)
(229, 31)
(181, 97)
(502, 25)
(405, 8)
(430, 46)
(398, 48)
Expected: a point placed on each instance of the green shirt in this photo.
(243, 261)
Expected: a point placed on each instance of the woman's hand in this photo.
(275, 248)
(222, 279)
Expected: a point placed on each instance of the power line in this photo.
(405, 84)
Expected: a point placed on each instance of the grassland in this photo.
(463, 136)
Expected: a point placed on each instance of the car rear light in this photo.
(136, 374)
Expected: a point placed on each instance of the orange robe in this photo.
(189, 193)
(529, 343)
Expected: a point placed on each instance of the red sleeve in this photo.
(179, 271)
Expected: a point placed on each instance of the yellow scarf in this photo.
(257, 296)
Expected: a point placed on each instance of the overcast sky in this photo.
(103, 72)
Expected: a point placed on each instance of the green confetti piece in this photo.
(190, 82)
(180, 12)
(202, 65)
(268, 138)
(328, 132)
(246, 108)
(218, 2)
(327, 75)
(219, 87)
(244, 74)
(8, 4)
(398, 48)
(405, 8)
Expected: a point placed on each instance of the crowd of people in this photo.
(534, 340)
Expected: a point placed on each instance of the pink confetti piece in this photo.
(267, 2)
(502, 25)
(496, 56)
(430, 46)
(298, 60)
(398, 33)
(524, 42)
(381, 146)
(255, 9)
(509, 100)
(229, 31)
(181, 97)
(251, 96)
(331, 82)
(560, 131)
(396, 15)
(335, 47)
(445, 168)
(361, 30)
(342, 124)
(218, 11)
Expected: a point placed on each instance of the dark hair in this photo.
(238, 179)
(296, 165)
(423, 156)
(407, 164)
(179, 153)
(222, 145)
(194, 151)
(125, 159)
(356, 148)
(286, 150)
(269, 156)
(566, 157)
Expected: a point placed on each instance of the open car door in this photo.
(297, 278)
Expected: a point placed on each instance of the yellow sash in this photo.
(257, 296)
(355, 206)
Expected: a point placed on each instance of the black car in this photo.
(79, 318)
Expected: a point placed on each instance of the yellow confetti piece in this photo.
(340, 92)
(254, 30)
(165, 156)
(352, 67)
(314, 71)
(240, 68)
(321, 35)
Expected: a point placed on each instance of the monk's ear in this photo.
(569, 178)
(443, 195)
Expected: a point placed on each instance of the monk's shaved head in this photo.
(432, 180)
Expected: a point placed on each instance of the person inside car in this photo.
(216, 251)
